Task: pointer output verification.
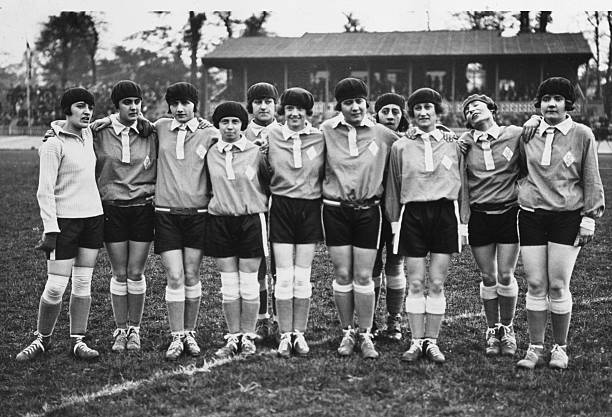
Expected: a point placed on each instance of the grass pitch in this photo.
(321, 384)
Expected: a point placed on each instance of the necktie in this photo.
(488, 155)
(125, 145)
(180, 142)
(352, 140)
(297, 150)
(229, 156)
(550, 134)
(429, 165)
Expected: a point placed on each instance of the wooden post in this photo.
(369, 83)
(204, 92)
(453, 84)
(410, 77)
(326, 87)
(496, 80)
(245, 82)
(285, 76)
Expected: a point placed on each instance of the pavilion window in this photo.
(434, 79)
(507, 90)
(476, 77)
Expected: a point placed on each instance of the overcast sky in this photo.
(21, 20)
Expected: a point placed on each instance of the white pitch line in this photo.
(208, 366)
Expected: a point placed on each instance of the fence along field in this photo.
(321, 384)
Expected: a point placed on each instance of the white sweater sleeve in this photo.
(50, 158)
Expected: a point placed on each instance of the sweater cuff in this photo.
(51, 226)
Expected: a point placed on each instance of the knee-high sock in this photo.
(377, 283)
(193, 295)
(272, 275)
(537, 315)
(396, 291)
(344, 299)
(364, 304)
(263, 289)
(415, 308)
(136, 299)
(80, 300)
(175, 301)
(283, 292)
(560, 317)
(508, 295)
(249, 297)
(119, 301)
(230, 290)
(302, 291)
(50, 304)
(488, 295)
(435, 307)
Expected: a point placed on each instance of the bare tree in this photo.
(352, 24)
(192, 37)
(544, 18)
(91, 39)
(608, 88)
(228, 21)
(525, 22)
(254, 25)
(594, 20)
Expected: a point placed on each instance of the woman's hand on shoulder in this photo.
(530, 128)
(100, 124)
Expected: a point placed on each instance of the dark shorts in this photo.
(485, 229)
(358, 227)
(179, 231)
(429, 227)
(87, 232)
(136, 223)
(542, 226)
(240, 236)
(295, 220)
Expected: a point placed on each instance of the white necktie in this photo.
(488, 155)
(180, 142)
(429, 165)
(125, 145)
(546, 155)
(229, 157)
(352, 140)
(297, 150)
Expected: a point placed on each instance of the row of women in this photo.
(359, 184)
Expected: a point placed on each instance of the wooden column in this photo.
(245, 83)
(453, 76)
(410, 78)
(327, 86)
(204, 92)
(285, 76)
(496, 81)
(369, 83)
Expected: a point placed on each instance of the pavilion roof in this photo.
(398, 44)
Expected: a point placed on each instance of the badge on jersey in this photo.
(373, 148)
(569, 159)
(447, 162)
(249, 172)
(311, 153)
(147, 162)
(507, 153)
(201, 151)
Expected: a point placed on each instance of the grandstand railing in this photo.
(7, 130)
